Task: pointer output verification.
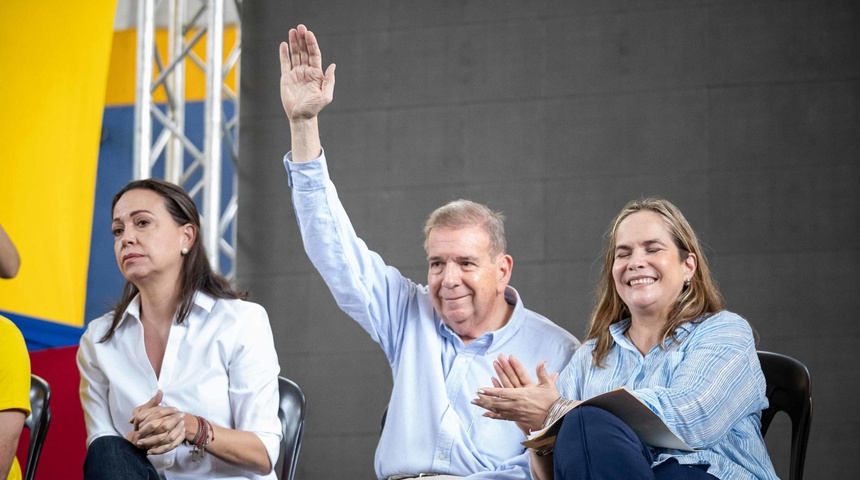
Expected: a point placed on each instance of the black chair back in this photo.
(291, 412)
(38, 422)
(788, 390)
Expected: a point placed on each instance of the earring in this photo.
(185, 252)
(687, 282)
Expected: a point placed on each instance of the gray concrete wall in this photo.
(746, 114)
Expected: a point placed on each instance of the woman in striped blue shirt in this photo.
(658, 329)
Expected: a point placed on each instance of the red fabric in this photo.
(66, 444)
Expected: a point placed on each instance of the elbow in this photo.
(10, 269)
(262, 469)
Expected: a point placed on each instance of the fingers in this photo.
(158, 420)
(492, 399)
(504, 374)
(520, 371)
(141, 411)
(313, 49)
(284, 51)
(328, 81)
(167, 440)
(544, 378)
(301, 36)
(511, 372)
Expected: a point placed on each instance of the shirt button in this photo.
(441, 456)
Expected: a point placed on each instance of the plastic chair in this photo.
(291, 412)
(38, 422)
(788, 390)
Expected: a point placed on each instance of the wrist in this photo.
(191, 426)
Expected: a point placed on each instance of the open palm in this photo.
(305, 88)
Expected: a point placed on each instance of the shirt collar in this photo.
(618, 329)
(492, 341)
(200, 299)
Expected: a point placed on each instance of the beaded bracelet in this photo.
(556, 411)
(201, 439)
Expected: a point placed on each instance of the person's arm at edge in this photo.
(10, 261)
(305, 91)
(11, 424)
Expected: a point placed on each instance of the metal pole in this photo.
(142, 166)
(212, 131)
(175, 159)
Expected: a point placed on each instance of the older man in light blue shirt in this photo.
(442, 339)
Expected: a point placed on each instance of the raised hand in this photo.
(516, 397)
(305, 88)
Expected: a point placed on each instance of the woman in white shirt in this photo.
(180, 380)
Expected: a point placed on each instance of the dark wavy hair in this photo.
(695, 302)
(196, 272)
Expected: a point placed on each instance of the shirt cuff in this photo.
(309, 175)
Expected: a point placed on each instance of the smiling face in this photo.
(147, 241)
(467, 284)
(649, 270)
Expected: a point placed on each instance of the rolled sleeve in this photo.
(253, 374)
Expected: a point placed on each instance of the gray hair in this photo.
(466, 213)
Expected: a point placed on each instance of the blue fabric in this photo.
(593, 444)
(706, 385)
(41, 334)
(432, 425)
(113, 457)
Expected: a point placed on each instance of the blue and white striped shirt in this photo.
(708, 388)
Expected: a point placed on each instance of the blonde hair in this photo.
(696, 301)
(466, 213)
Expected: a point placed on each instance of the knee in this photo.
(110, 454)
(109, 447)
(588, 421)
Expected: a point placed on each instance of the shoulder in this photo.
(724, 320)
(97, 328)
(239, 310)
(537, 322)
(9, 330)
(245, 319)
(725, 327)
(11, 339)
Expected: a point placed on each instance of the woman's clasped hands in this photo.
(516, 397)
(157, 429)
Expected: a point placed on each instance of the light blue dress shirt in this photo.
(708, 388)
(431, 425)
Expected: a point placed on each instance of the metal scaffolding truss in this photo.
(197, 166)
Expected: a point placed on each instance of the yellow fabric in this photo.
(122, 75)
(14, 376)
(54, 58)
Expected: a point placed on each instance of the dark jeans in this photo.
(113, 457)
(593, 444)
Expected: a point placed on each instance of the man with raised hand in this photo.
(441, 340)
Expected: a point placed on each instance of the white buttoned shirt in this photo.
(220, 363)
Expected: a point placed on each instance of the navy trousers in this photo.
(114, 457)
(593, 444)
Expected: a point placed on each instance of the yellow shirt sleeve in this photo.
(14, 376)
(14, 368)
